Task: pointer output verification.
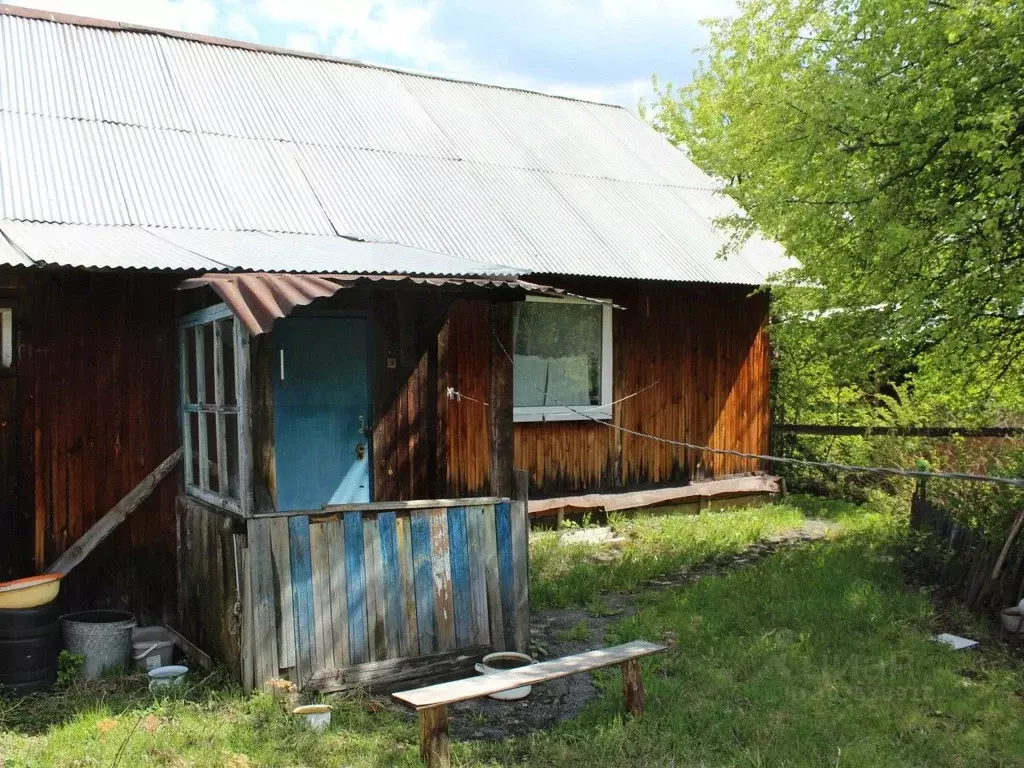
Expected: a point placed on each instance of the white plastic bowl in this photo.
(484, 668)
(161, 677)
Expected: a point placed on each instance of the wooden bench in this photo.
(431, 703)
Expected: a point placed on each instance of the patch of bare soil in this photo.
(557, 633)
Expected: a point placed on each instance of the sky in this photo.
(604, 50)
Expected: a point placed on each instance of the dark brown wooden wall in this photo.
(700, 354)
(97, 406)
(15, 519)
(464, 430)
(427, 445)
(701, 349)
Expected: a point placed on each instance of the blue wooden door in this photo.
(321, 407)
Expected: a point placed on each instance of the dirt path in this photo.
(552, 632)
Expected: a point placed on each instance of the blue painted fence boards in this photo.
(423, 575)
(402, 584)
(506, 570)
(355, 575)
(302, 593)
(391, 583)
(458, 544)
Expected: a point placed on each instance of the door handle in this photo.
(360, 451)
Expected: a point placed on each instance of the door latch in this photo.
(361, 451)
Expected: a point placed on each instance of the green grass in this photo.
(565, 575)
(817, 656)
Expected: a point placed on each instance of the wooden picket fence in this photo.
(377, 593)
(984, 569)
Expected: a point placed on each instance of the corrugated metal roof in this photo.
(106, 125)
(107, 247)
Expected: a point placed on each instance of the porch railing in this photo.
(374, 593)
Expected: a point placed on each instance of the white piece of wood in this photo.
(103, 527)
(612, 502)
(484, 685)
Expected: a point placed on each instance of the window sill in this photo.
(587, 413)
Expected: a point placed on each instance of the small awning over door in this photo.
(260, 298)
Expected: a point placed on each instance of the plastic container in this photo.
(29, 644)
(502, 662)
(317, 717)
(152, 647)
(103, 637)
(164, 677)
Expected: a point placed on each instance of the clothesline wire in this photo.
(888, 471)
(454, 394)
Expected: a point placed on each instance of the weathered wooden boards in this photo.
(432, 701)
(106, 524)
(360, 588)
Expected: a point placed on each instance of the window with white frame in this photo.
(563, 360)
(214, 346)
(6, 338)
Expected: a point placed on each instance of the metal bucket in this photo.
(103, 637)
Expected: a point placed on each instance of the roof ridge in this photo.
(56, 17)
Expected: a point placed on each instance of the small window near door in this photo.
(563, 360)
(6, 338)
(211, 404)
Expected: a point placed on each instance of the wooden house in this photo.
(357, 299)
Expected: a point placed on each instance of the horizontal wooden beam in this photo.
(214, 499)
(388, 506)
(384, 673)
(853, 431)
(612, 502)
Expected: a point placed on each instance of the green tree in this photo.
(882, 143)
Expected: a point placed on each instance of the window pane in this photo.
(206, 333)
(193, 448)
(190, 365)
(231, 439)
(227, 353)
(210, 420)
(6, 338)
(558, 354)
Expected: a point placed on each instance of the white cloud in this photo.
(301, 41)
(239, 27)
(603, 50)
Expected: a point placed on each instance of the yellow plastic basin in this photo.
(30, 592)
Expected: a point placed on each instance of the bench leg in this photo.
(434, 749)
(633, 687)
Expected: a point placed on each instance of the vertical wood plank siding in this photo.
(704, 348)
(97, 371)
(209, 581)
(413, 583)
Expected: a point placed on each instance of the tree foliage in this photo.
(882, 143)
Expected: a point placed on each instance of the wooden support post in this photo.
(633, 687)
(434, 748)
(502, 344)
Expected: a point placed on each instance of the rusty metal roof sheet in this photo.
(258, 299)
(109, 124)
